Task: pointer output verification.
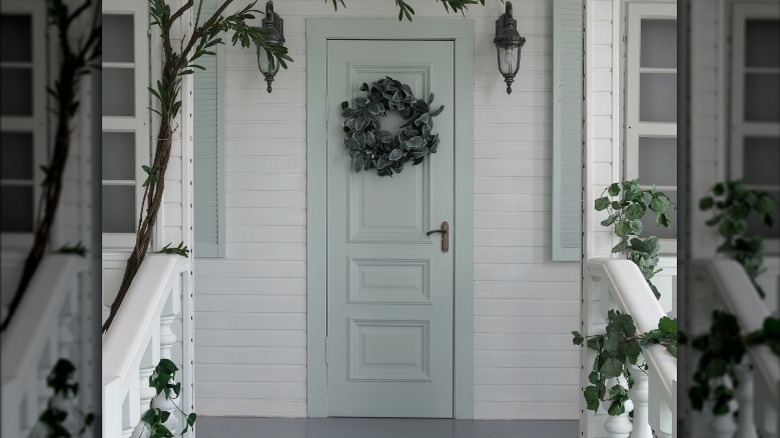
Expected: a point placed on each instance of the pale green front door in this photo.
(390, 287)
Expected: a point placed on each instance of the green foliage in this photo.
(406, 11)
(723, 350)
(77, 249)
(181, 250)
(373, 148)
(625, 216)
(615, 350)
(162, 380)
(732, 203)
(61, 381)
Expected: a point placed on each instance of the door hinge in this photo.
(326, 350)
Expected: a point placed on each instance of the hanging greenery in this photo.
(625, 215)
(732, 204)
(371, 147)
(616, 350)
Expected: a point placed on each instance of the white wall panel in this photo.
(526, 305)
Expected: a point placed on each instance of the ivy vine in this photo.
(724, 346)
(732, 203)
(371, 147)
(615, 350)
(625, 216)
(162, 380)
(55, 418)
(723, 350)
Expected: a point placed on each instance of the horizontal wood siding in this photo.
(250, 306)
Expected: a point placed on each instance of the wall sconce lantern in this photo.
(275, 27)
(508, 42)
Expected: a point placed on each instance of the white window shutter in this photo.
(567, 129)
(209, 156)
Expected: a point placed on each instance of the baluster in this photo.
(723, 426)
(167, 339)
(65, 335)
(618, 426)
(744, 395)
(639, 394)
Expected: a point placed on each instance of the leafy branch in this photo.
(77, 249)
(615, 350)
(406, 11)
(732, 203)
(167, 92)
(181, 249)
(625, 216)
(74, 62)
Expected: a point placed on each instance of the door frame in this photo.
(318, 31)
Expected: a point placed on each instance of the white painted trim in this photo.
(739, 127)
(137, 124)
(318, 31)
(36, 124)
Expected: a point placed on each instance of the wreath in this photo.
(371, 147)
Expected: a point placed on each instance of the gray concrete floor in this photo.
(243, 427)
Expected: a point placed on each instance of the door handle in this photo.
(445, 236)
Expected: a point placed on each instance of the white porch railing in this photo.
(724, 285)
(51, 322)
(148, 327)
(618, 284)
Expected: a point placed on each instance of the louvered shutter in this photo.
(567, 129)
(209, 156)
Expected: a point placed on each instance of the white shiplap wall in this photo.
(250, 306)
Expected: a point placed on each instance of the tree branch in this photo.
(181, 10)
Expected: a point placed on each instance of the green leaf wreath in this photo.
(371, 147)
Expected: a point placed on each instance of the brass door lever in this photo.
(445, 236)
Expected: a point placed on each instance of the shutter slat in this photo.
(208, 153)
(567, 129)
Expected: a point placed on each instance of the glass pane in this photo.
(658, 43)
(118, 209)
(757, 227)
(658, 97)
(16, 42)
(761, 102)
(16, 89)
(762, 43)
(658, 161)
(17, 155)
(119, 155)
(117, 38)
(649, 228)
(762, 155)
(118, 92)
(17, 205)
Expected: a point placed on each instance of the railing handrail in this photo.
(25, 337)
(633, 296)
(740, 297)
(129, 333)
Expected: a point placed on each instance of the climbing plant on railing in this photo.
(732, 203)
(74, 62)
(57, 420)
(625, 216)
(166, 93)
(724, 346)
(723, 350)
(615, 350)
(162, 380)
